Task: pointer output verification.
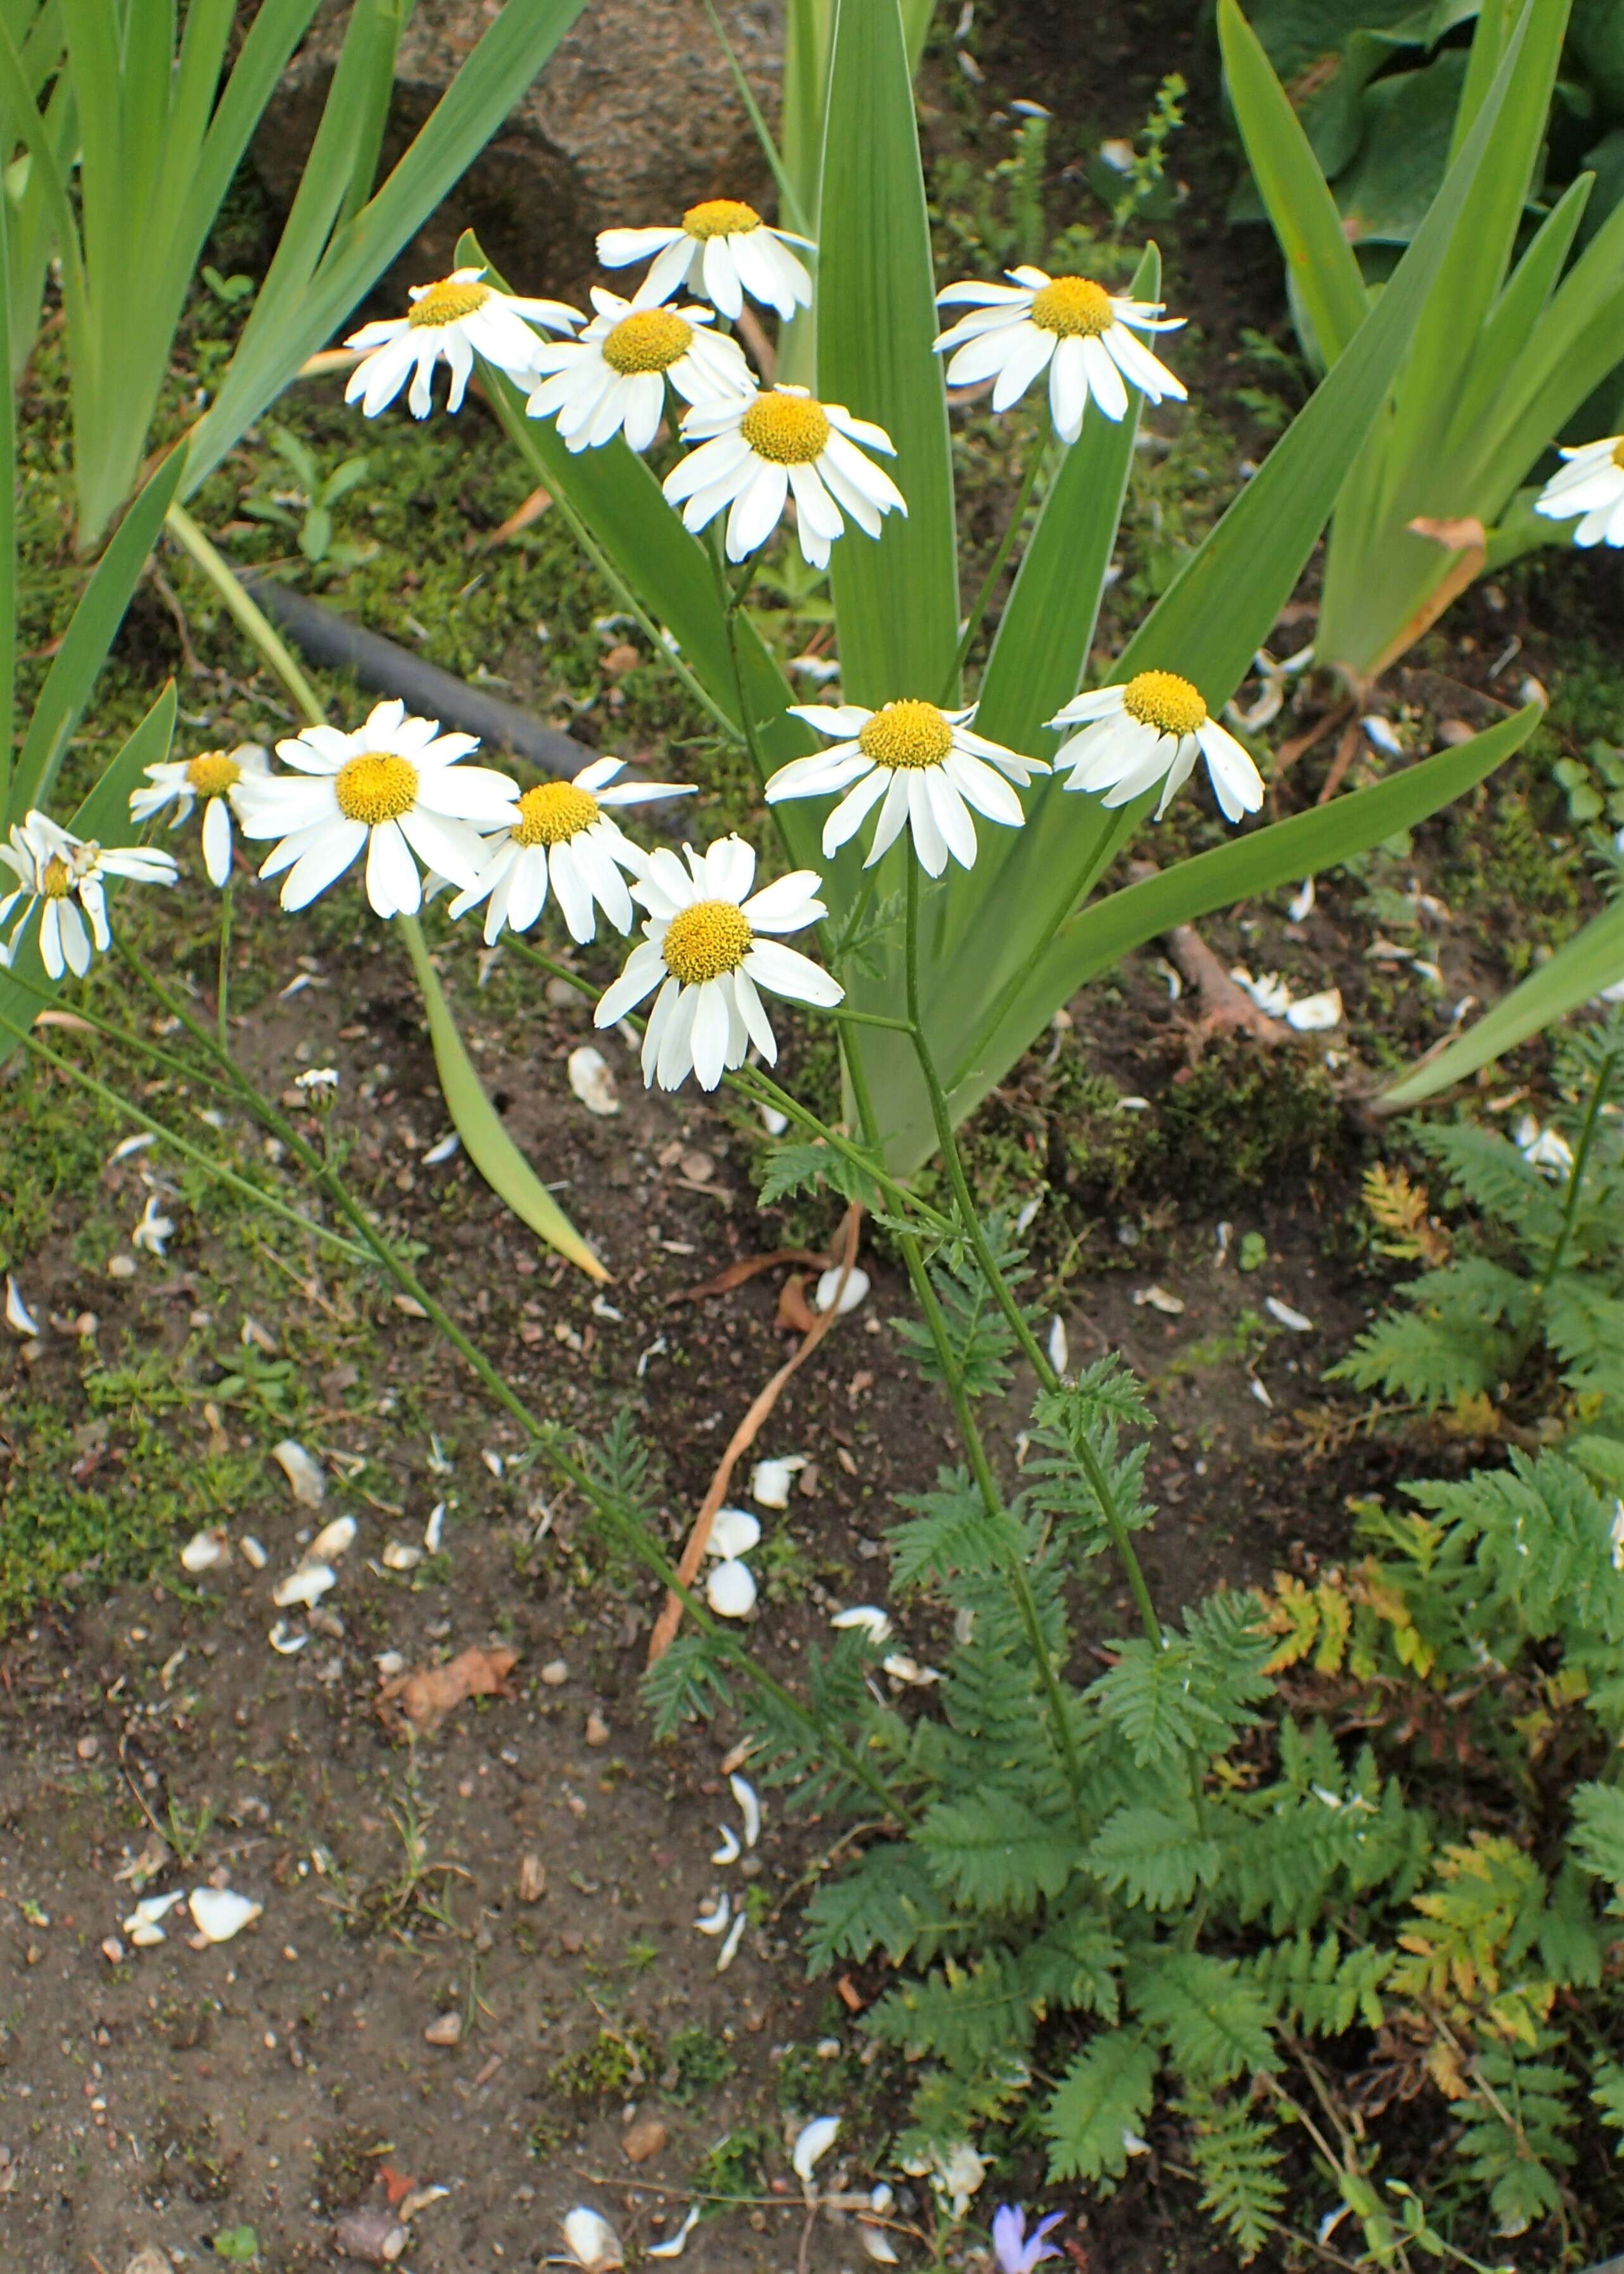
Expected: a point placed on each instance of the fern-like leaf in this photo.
(1239, 2161)
(1099, 2106)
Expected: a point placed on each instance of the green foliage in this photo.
(1238, 2160)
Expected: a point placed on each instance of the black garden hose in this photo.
(326, 638)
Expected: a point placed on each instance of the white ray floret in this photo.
(1084, 337)
(1151, 730)
(394, 787)
(66, 877)
(1590, 488)
(458, 317)
(721, 248)
(215, 776)
(922, 767)
(757, 450)
(708, 946)
(613, 378)
(561, 835)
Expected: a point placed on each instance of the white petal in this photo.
(783, 971)
(305, 1476)
(304, 1586)
(749, 1808)
(733, 1532)
(857, 1285)
(19, 1317)
(731, 1590)
(219, 1913)
(813, 2142)
(591, 2241)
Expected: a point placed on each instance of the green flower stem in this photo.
(542, 1434)
(223, 986)
(989, 582)
(183, 1146)
(250, 618)
(761, 1089)
(127, 1040)
(1576, 1181)
(868, 1019)
(970, 1223)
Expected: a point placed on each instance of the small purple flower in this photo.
(1016, 2252)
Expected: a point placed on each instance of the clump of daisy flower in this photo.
(1590, 486)
(708, 946)
(395, 787)
(561, 835)
(613, 378)
(724, 249)
(920, 765)
(318, 1085)
(459, 317)
(222, 779)
(1081, 334)
(755, 451)
(64, 878)
(1153, 727)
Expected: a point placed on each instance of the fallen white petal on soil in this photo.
(331, 1541)
(142, 1925)
(678, 2243)
(304, 1586)
(771, 1481)
(869, 1617)
(19, 1317)
(1259, 1393)
(812, 2141)
(128, 1145)
(749, 1808)
(447, 1150)
(1159, 1300)
(1316, 1014)
(1379, 733)
(730, 1948)
(284, 1641)
(1059, 1346)
(901, 1668)
(303, 1475)
(433, 1531)
(877, 2243)
(399, 1556)
(730, 1851)
(731, 1590)
(734, 1531)
(204, 1551)
(773, 1121)
(857, 1287)
(591, 2241)
(1288, 1317)
(219, 1913)
(253, 1554)
(715, 1920)
(592, 1081)
(1302, 901)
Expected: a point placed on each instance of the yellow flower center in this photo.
(379, 787)
(1618, 453)
(56, 879)
(211, 773)
(1075, 307)
(703, 942)
(553, 813)
(651, 340)
(446, 303)
(791, 430)
(905, 735)
(1161, 699)
(720, 217)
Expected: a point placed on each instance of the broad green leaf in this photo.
(896, 596)
(1409, 119)
(102, 818)
(1575, 975)
(1320, 261)
(91, 633)
(307, 295)
(485, 1140)
(1512, 321)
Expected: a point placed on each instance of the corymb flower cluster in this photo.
(401, 800)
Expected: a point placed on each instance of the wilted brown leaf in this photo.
(423, 1698)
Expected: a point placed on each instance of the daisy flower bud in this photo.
(922, 766)
(64, 878)
(220, 778)
(756, 449)
(613, 378)
(707, 946)
(458, 318)
(1069, 326)
(1153, 730)
(723, 249)
(395, 788)
(561, 835)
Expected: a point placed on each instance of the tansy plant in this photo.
(1504, 352)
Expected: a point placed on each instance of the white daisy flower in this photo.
(756, 448)
(922, 766)
(458, 318)
(395, 786)
(723, 249)
(215, 776)
(614, 375)
(1156, 725)
(702, 947)
(1590, 486)
(561, 833)
(63, 875)
(1069, 326)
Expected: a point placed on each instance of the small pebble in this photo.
(643, 2140)
(555, 1673)
(121, 1267)
(597, 1729)
(532, 1879)
(88, 1747)
(444, 2029)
